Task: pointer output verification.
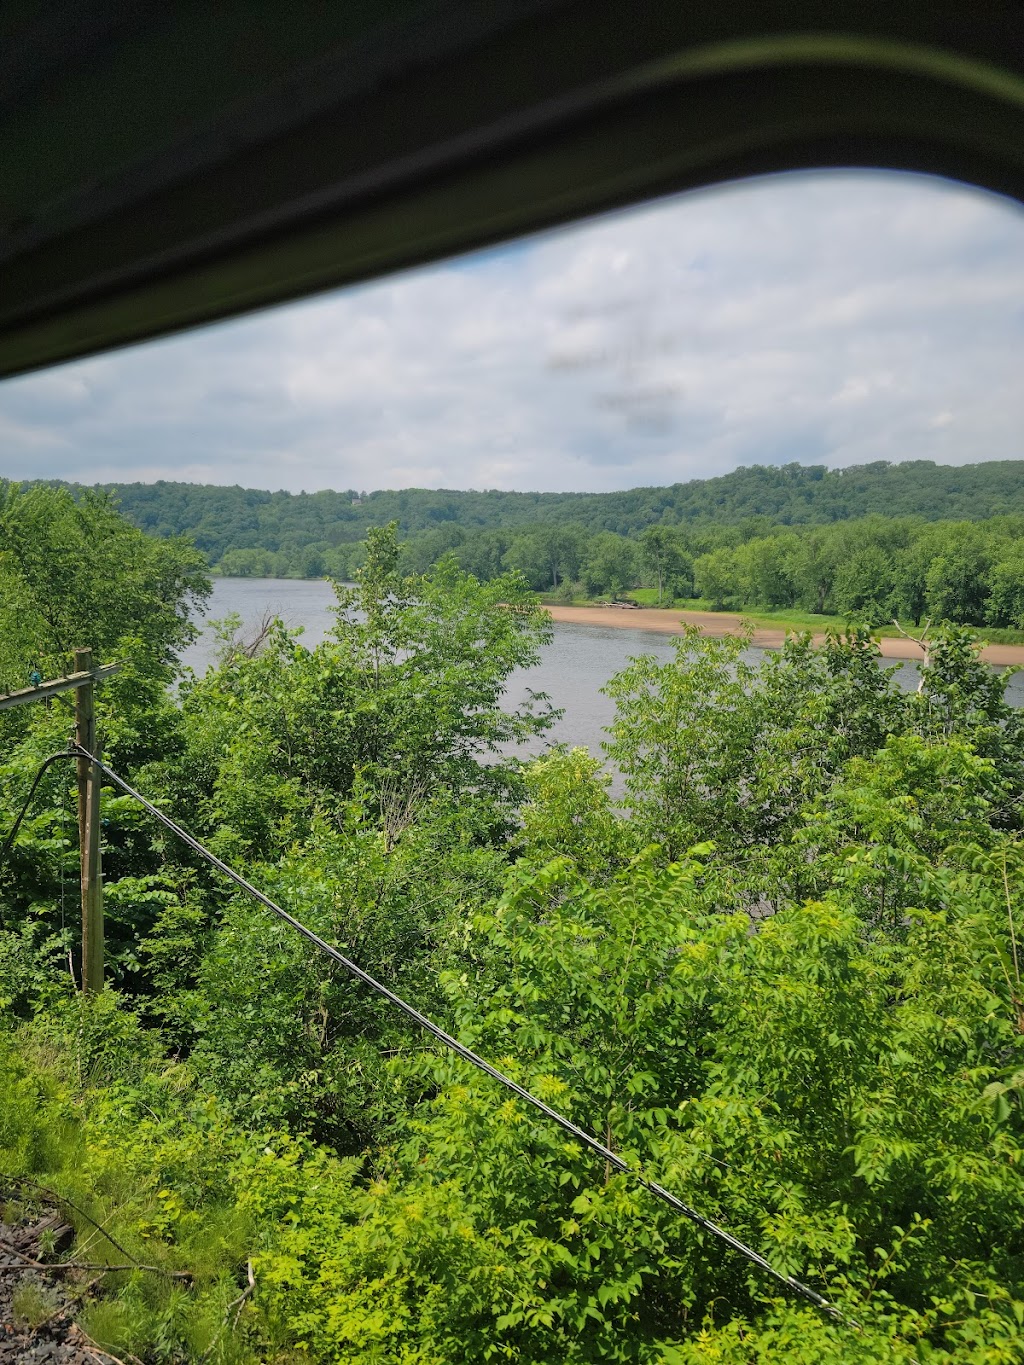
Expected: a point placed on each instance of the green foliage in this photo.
(712, 747)
(92, 1116)
(1005, 606)
(778, 972)
(787, 1082)
(611, 564)
(549, 555)
(59, 561)
(403, 700)
(284, 1034)
(715, 577)
(568, 813)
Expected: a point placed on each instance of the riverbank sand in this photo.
(727, 623)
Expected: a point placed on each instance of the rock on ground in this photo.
(57, 1340)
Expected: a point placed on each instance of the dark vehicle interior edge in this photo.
(166, 166)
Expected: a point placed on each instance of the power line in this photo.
(428, 1025)
(9, 841)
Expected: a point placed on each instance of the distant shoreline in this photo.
(720, 623)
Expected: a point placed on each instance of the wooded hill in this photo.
(221, 519)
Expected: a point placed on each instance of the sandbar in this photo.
(719, 623)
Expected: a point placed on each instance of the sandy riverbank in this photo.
(727, 623)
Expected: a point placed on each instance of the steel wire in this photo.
(666, 1196)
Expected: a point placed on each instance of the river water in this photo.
(573, 669)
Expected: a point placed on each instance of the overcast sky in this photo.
(829, 319)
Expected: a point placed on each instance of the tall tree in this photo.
(76, 572)
(659, 546)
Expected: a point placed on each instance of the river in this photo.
(573, 669)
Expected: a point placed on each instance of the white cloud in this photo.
(839, 318)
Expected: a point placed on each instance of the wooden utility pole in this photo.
(89, 830)
(82, 682)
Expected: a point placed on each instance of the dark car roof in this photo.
(162, 166)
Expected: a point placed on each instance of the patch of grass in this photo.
(108, 1322)
(994, 635)
(11, 1213)
(31, 1305)
(788, 618)
(558, 599)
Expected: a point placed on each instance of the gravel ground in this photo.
(57, 1340)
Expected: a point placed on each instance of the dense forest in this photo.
(913, 540)
(780, 975)
(221, 520)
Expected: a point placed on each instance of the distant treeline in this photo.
(873, 568)
(876, 540)
(222, 519)
(877, 568)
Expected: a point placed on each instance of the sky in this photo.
(829, 319)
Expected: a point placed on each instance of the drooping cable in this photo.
(9, 841)
(453, 1044)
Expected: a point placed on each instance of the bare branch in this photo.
(238, 1304)
(60, 1267)
(922, 643)
(919, 640)
(51, 1196)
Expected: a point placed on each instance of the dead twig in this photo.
(30, 1264)
(240, 1302)
(60, 1199)
(59, 1267)
(243, 1296)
